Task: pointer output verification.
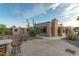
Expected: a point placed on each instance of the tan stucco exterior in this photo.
(15, 31)
(54, 29)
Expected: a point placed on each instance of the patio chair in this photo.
(16, 46)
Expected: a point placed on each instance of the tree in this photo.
(2, 28)
(36, 29)
(78, 18)
(32, 31)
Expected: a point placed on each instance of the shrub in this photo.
(2, 28)
(31, 31)
(73, 37)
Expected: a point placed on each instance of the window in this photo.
(63, 31)
(58, 30)
(43, 30)
(15, 29)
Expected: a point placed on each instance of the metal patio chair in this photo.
(16, 46)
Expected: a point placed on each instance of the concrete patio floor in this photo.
(48, 46)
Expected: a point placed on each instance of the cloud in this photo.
(15, 9)
(70, 14)
(54, 6)
(36, 10)
(41, 9)
(27, 13)
(72, 23)
(73, 8)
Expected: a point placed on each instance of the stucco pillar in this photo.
(55, 27)
(49, 29)
(19, 30)
(25, 30)
(67, 31)
(61, 31)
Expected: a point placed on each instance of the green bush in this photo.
(31, 31)
(73, 37)
(2, 29)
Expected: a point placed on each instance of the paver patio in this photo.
(48, 46)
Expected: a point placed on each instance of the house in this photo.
(15, 31)
(53, 28)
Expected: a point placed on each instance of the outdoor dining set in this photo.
(14, 43)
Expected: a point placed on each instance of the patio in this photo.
(46, 47)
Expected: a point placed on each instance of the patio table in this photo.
(3, 47)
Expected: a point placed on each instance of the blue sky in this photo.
(15, 14)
